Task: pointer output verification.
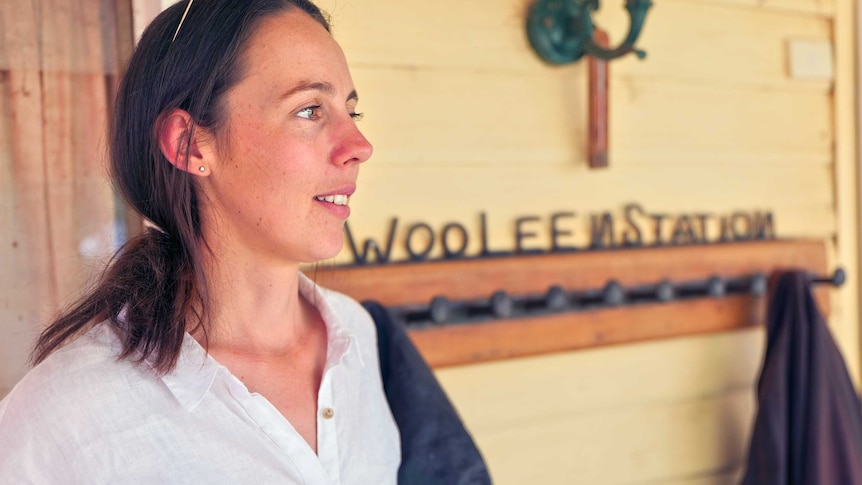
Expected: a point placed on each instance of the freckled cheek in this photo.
(255, 156)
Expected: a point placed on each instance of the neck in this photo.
(255, 306)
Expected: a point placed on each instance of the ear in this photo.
(180, 141)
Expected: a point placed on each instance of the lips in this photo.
(336, 201)
(338, 196)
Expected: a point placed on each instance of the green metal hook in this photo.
(561, 31)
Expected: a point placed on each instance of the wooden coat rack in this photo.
(416, 285)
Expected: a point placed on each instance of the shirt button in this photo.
(328, 413)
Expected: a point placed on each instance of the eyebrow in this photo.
(323, 87)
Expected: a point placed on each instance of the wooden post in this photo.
(597, 146)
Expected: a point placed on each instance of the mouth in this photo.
(337, 199)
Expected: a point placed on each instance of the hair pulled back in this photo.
(154, 289)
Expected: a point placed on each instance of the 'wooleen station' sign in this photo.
(638, 225)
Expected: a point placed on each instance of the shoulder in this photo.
(95, 351)
(73, 393)
(62, 369)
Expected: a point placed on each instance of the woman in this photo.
(204, 355)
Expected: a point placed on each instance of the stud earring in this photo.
(202, 168)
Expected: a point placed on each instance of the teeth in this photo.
(339, 199)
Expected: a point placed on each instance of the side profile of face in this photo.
(286, 161)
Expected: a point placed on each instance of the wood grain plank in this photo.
(846, 181)
(632, 445)
(825, 8)
(728, 475)
(462, 344)
(437, 195)
(26, 284)
(490, 118)
(467, 279)
(59, 201)
(714, 41)
(511, 393)
(74, 116)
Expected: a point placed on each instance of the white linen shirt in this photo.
(83, 417)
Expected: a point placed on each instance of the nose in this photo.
(353, 147)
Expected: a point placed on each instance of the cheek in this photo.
(252, 159)
(271, 162)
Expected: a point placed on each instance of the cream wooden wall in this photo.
(466, 119)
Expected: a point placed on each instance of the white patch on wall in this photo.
(98, 245)
(810, 59)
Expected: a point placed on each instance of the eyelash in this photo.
(313, 109)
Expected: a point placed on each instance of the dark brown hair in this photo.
(153, 291)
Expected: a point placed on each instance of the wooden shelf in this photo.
(405, 284)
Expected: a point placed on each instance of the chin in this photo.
(326, 250)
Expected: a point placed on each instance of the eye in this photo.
(357, 116)
(309, 113)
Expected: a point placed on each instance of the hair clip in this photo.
(183, 19)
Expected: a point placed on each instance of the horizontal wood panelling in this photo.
(712, 42)
(492, 119)
(678, 122)
(728, 475)
(707, 40)
(454, 191)
(808, 8)
(465, 118)
(632, 445)
(511, 393)
(799, 198)
(590, 397)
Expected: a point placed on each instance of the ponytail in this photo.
(148, 294)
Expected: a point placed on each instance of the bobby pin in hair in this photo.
(183, 19)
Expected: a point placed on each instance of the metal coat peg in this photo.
(501, 305)
(837, 279)
(758, 284)
(555, 298)
(715, 287)
(665, 291)
(613, 294)
(439, 309)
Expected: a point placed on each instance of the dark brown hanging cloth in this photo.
(808, 429)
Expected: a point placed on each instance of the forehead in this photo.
(293, 44)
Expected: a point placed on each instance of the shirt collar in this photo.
(340, 339)
(193, 376)
(196, 371)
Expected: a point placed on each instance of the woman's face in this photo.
(289, 154)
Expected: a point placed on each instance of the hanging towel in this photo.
(436, 449)
(808, 428)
